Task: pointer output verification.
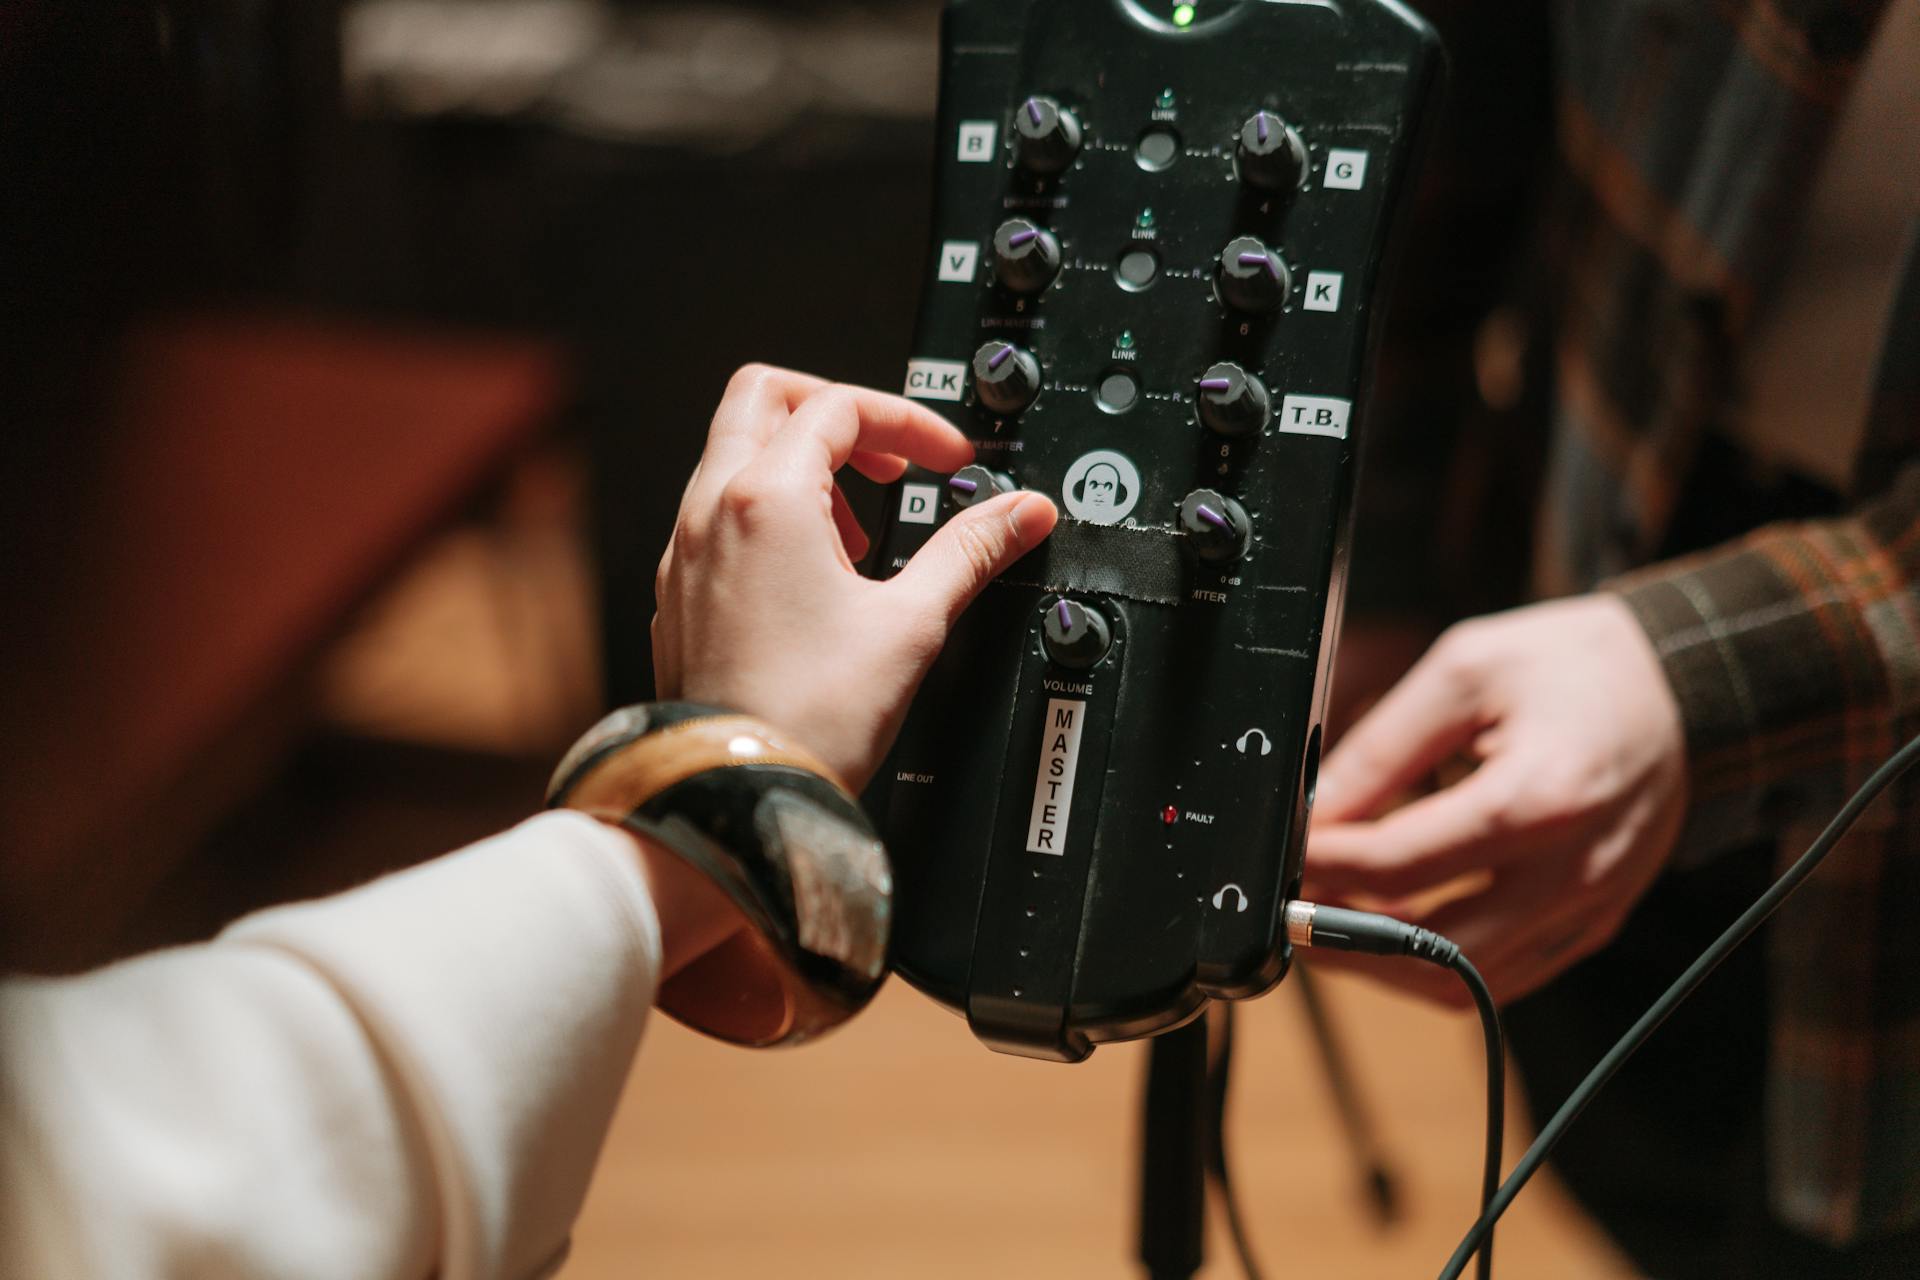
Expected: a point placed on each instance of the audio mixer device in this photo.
(1161, 233)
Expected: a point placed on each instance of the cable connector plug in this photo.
(1338, 929)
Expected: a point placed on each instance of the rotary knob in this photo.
(1252, 278)
(1026, 258)
(970, 486)
(1075, 635)
(1232, 401)
(1271, 156)
(1006, 378)
(1046, 137)
(1217, 526)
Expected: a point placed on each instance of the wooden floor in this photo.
(900, 1147)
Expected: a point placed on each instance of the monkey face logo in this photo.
(1102, 487)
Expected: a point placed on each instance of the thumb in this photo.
(973, 548)
(1433, 712)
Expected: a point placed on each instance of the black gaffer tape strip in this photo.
(1107, 559)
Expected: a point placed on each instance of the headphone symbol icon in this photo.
(1103, 485)
(1266, 744)
(1239, 898)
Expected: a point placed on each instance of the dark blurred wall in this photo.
(671, 190)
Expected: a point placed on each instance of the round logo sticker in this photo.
(1102, 487)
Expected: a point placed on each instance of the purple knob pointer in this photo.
(1065, 615)
(1214, 518)
(963, 484)
(1261, 260)
(1019, 238)
(1216, 384)
(999, 358)
(1033, 110)
(1260, 127)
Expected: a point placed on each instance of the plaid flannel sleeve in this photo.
(1795, 657)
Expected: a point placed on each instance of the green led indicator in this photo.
(1125, 342)
(1166, 99)
(1183, 15)
(1145, 219)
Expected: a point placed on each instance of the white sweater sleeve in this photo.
(411, 1079)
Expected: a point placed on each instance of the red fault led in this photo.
(1169, 815)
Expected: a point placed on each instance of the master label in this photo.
(1053, 785)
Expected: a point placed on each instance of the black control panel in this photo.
(1160, 235)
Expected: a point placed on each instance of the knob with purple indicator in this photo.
(1006, 378)
(1270, 155)
(1215, 525)
(1232, 402)
(1026, 257)
(1046, 136)
(1252, 278)
(1075, 635)
(970, 486)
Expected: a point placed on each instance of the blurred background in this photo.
(355, 353)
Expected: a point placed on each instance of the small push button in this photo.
(1075, 635)
(1157, 149)
(1137, 269)
(1118, 392)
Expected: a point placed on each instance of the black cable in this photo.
(1738, 932)
(1496, 1046)
(1338, 929)
(1219, 1073)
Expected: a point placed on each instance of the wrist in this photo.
(773, 892)
(695, 916)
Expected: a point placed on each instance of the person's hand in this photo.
(760, 608)
(1578, 795)
(1374, 653)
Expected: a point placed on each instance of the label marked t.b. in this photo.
(1053, 785)
(936, 379)
(1315, 416)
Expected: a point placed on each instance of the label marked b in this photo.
(976, 141)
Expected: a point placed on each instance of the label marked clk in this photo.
(936, 379)
(1053, 785)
